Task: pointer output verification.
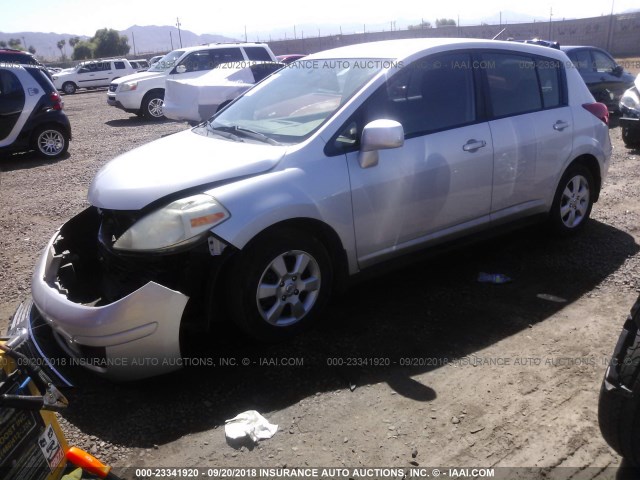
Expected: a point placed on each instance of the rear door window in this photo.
(513, 84)
(119, 65)
(550, 76)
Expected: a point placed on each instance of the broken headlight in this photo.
(182, 222)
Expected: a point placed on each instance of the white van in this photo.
(92, 74)
(143, 93)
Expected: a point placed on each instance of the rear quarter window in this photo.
(42, 79)
(257, 53)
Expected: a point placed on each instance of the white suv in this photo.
(92, 74)
(143, 93)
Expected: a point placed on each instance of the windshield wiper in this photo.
(226, 132)
(255, 135)
(246, 132)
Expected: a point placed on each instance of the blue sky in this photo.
(84, 17)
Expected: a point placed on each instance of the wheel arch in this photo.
(591, 163)
(152, 91)
(33, 131)
(327, 236)
(324, 233)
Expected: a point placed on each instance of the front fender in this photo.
(262, 201)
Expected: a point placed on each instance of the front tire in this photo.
(629, 139)
(152, 105)
(69, 88)
(51, 141)
(280, 284)
(573, 200)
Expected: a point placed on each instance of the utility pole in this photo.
(245, 33)
(171, 39)
(550, 16)
(179, 34)
(294, 33)
(610, 35)
(133, 39)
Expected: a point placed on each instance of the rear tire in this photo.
(69, 88)
(618, 415)
(573, 200)
(51, 141)
(152, 105)
(279, 284)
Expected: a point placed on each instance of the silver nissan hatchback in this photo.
(340, 161)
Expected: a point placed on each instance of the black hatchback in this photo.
(606, 80)
(31, 116)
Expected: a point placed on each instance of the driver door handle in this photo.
(473, 145)
(560, 125)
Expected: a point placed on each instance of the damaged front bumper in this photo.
(125, 335)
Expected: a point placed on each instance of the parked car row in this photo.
(144, 93)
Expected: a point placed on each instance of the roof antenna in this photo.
(499, 33)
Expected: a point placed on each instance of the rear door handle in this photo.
(473, 145)
(560, 125)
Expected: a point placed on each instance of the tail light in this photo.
(56, 100)
(600, 110)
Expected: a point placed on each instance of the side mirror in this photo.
(181, 68)
(617, 70)
(379, 135)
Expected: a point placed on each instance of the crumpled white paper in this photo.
(249, 424)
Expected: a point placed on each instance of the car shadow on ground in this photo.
(26, 160)
(135, 121)
(433, 309)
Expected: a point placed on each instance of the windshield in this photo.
(167, 62)
(295, 101)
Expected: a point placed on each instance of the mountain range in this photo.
(148, 40)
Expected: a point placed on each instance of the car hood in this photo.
(139, 76)
(176, 163)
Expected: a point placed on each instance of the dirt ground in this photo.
(420, 367)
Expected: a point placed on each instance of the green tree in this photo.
(83, 50)
(32, 50)
(110, 43)
(61, 43)
(73, 41)
(15, 43)
(421, 25)
(444, 22)
(3, 44)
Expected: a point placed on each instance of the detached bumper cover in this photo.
(136, 336)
